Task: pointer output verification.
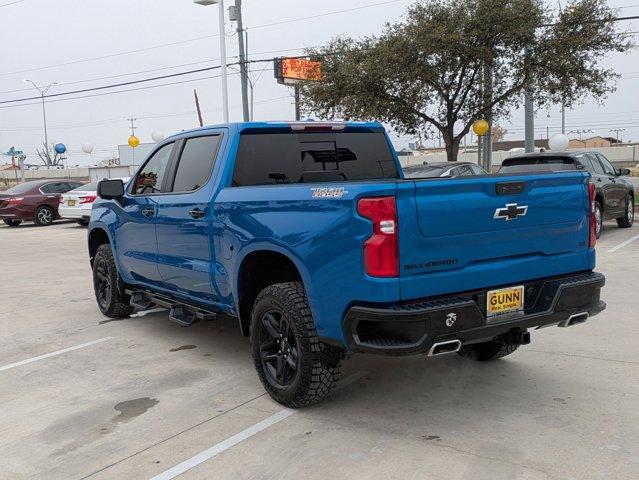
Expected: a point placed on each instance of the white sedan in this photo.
(76, 204)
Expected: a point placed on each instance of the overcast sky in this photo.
(48, 41)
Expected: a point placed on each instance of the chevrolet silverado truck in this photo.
(309, 234)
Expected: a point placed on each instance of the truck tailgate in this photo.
(486, 231)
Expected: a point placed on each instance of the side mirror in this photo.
(623, 171)
(111, 189)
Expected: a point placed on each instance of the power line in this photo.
(320, 15)
(11, 3)
(114, 120)
(189, 40)
(111, 55)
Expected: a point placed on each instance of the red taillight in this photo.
(15, 200)
(88, 199)
(593, 221)
(381, 258)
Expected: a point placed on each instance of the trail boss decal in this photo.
(329, 192)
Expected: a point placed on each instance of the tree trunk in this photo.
(452, 148)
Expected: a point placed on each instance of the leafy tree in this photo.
(427, 71)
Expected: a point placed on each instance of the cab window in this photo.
(607, 166)
(196, 163)
(150, 178)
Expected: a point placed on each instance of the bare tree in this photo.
(45, 155)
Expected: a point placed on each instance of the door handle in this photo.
(196, 213)
(148, 212)
(599, 179)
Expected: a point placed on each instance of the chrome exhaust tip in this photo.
(574, 320)
(441, 348)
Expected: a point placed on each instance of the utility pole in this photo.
(197, 107)
(298, 114)
(235, 14)
(133, 128)
(529, 113)
(563, 118)
(43, 92)
(617, 130)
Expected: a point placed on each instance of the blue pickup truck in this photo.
(311, 237)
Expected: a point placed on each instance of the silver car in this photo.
(76, 204)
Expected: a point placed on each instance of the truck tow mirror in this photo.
(111, 189)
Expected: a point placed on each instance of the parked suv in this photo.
(311, 237)
(615, 196)
(36, 201)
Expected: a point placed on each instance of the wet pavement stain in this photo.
(130, 409)
(183, 347)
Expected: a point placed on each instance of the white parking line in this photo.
(623, 244)
(53, 354)
(216, 449)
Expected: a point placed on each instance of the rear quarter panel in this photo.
(322, 236)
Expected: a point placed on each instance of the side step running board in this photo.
(180, 313)
(140, 301)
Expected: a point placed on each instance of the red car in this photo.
(35, 201)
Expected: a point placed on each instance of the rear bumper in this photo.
(15, 213)
(74, 212)
(413, 328)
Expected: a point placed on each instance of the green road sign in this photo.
(13, 152)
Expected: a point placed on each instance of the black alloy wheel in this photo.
(279, 352)
(103, 287)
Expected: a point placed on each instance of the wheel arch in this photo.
(259, 268)
(96, 237)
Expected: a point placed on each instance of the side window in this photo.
(596, 165)
(149, 179)
(69, 186)
(607, 166)
(465, 170)
(477, 170)
(584, 162)
(196, 163)
(54, 188)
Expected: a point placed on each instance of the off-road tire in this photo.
(318, 364)
(628, 219)
(11, 223)
(484, 352)
(116, 303)
(599, 227)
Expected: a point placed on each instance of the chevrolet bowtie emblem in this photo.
(511, 211)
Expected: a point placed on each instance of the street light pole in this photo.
(225, 93)
(43, 92)
(243, 69)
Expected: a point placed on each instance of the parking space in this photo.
(83, 396)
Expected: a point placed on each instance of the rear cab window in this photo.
(284, 157)
(537, 164)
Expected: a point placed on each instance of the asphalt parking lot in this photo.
(83, 396)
